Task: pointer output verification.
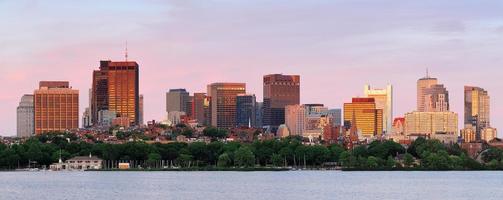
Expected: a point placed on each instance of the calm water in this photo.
(251, 185)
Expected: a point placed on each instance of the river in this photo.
(252, 185)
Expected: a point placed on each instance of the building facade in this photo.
(422, 85)
(25, 111)
(436, 99)
(431, 123)
(56, 107)
(177, 100)
(361, 114)
(116, 88)
(384, 101)
(245, 110)
(477, 110)
(279, 91)
(223, 103)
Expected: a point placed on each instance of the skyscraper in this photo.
(362, 115)
(279, 91)
(56, 107)
(200, 104)
(477, 109)
(25, 117)
(140, 116)
(431, 124)
(177, 100)
(422, 85)
(383, 100)
(245, 110)
(116, 88)
(223, 103)
(436, 98)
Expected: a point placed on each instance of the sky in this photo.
(336, 46)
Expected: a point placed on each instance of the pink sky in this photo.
(336, 47)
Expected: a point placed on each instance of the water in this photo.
(251, 185)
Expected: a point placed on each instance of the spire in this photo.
(125, 54)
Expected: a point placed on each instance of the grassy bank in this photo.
(250, 169)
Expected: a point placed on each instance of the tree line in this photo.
(425, 154)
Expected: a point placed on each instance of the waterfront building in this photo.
(384, 101)
(245, 110)
(488, 134)
(362, 115)
(422, 85)
(468, 133)
(295, 119)
(279, 91)
(223, 103)
(397, 133)
(177, 100)
(477, 110)
(56, 107)
(431, 123)
(78, 163)
(116, 88)
(25, 111)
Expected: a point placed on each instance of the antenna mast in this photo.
(125, 54)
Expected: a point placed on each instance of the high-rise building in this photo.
(25, 117)
(140, 116)
(307, 120)
(56, 107)
(259, 112)
(86, 118)
(245, 110)
(436, 98)
(431, 124)
(363, 116)
(116, 88)
(383, 100)
(200, 103)
(176, 100)
(279, 91)
(422, 85)
(223, 103)
(477, 110)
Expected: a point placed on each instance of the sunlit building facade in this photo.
(116, 88)
(422, 85)
(362, 115)
(384, 101)
(436, 99)
(477, 110)
(223, 103)
(431, 123)
(56, 107)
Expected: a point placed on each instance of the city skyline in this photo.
(460, 49)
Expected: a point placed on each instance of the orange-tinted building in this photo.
(223, 103)
(56, 107)
(279, 91)
(116, 88)
(362, 114)
(332, 133)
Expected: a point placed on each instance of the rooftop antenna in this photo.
(427, 73)
(125, 54)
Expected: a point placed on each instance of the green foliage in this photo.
(244, 157)
(224, 160)
(277, 160)
(215, 133)
(408, 160)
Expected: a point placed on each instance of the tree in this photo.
(408, 160)
(224, 160)
(390, 162)
(372, 162)
(277, 160)
(215, 133)
(244, 157)
(184, 160)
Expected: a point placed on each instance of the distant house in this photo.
(78, 163)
